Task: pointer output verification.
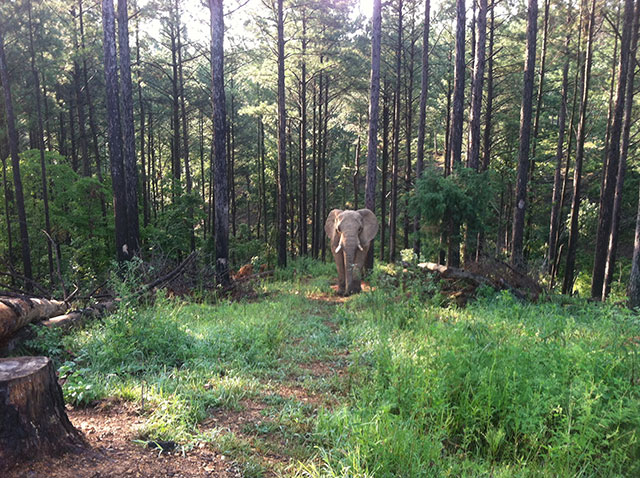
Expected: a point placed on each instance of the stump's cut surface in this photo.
(33, 421)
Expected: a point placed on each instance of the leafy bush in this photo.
(464, 197)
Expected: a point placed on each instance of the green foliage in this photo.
(464, 197)
(78, 388)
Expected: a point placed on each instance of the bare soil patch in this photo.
(334, 298)
(110, 429)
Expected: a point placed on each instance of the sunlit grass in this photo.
(500, 388)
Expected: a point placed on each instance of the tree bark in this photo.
(15, 165)
(567, 284)
(410, 66)
(114, 132)
(395, 159)
(356, 174)
(613, 159)
(555, 199)
(536, 119)
(303, 140)
(422, 114)
(455, 136)
(40, 140)
(15, 313)
(385, 163)
(624, 150)
(282, 151)
(219, 152)
(374, 107)
(473, 153)
(128, 135)
(517, 256)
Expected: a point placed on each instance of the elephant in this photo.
(350, 233)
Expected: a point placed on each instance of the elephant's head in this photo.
(350, 233)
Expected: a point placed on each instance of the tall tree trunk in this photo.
(203, 194)
(77, 86)
(486, 139)
(624, 150)
(176, 167)
(385, 163)
(72, 133)
(185, 127)
(567, 284)
(231, 151)
(422, 114)
(473, 153)
(219, 128)
(374, 107)
(282, 152)
(323, 176)
(7, 213)
(314, 178)
(356, 174)
(145, 195)
(410, 65)
(456, 125)
(92, 123)
(473, 150)
(555, 199)
(613, 159)
(40, 138)
(128, 136)
(517, 256)
(263, 181)
(447, 126)
(393, 216)
(303, 140)
(536, 119)
(123, 251)
(291, 202)
(611, 103)
(578, 83)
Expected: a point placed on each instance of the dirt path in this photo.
(262, 437)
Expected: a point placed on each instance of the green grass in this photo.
(501, 388)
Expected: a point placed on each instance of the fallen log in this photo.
(16, 312)
(33, 419)
(79, 316)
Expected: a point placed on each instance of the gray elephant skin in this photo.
(350, 233)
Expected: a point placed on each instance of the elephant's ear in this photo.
(330, 224)
(369, 226)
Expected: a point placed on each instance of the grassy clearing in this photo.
(500, 388)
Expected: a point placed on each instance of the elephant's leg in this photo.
(339, 258)
(358, 271)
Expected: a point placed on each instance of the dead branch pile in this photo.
(462, 284)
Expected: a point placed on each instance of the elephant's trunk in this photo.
(351, 244)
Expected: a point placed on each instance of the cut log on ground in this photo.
(33, 421)
(8, 345)
(16, 312)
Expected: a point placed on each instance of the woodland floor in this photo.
(260, 448)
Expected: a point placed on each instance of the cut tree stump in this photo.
(33, 421)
